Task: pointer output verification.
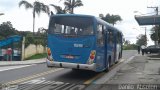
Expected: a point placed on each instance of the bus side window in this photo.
(118, 38)
(100, 36)
(79, 31)
(110, 37)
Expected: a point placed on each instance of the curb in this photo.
(153, 58)
(28, 62)
(20, 64)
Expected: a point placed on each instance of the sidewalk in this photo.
(140, 70)
(26, 62)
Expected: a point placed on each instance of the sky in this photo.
(21, 18)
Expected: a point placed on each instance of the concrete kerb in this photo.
(27, 62)
(153, 58)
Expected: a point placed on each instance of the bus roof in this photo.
(81, 15)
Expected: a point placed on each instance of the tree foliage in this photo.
(71, 4)
(113, 19)
(153, 34)
(128, 46)
(59, 9)
(141, 40)
(37, 8)
(126, 42)
(6, 30)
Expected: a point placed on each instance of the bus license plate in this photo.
(69, 57)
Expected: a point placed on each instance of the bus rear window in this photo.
(71, 26)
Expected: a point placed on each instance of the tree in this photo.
(153, 34)
(37, 7)
(126, 42)
(141, 40)
(59, 9)
(111, 18)
(128, 46)
(71, 4)
(43, 33)
(6, 30)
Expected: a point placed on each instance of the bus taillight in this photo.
(49, 54)
(92, 57)
(92, 54)
(49, 51)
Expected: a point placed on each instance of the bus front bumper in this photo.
(71, 65)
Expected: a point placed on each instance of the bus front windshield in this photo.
(71, 26)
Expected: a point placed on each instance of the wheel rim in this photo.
(108, 66)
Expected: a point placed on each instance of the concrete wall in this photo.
(32, 49)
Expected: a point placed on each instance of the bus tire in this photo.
(119, 57)
(108, 64)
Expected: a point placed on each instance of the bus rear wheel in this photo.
(108, 65)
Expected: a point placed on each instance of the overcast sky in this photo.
(22, 19)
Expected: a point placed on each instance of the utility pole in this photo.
(156, 32)
(145, 28)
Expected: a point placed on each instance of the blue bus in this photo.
(82, 42)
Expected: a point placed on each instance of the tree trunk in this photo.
(33, 21)
(72, 10)
(36, 49)
(72, 6)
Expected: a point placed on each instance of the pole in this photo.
(23, 49)
(145, 34)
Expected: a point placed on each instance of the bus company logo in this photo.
(78, 45)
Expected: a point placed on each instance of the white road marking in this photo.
(43, 84)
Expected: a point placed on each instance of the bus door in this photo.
(115, 47)
(110, 46)
(100, 60)
(106, 45)
(118, 46)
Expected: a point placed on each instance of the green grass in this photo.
(37, 56)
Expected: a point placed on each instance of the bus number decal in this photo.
(78, 45)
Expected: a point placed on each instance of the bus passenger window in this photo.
(100, 36)
(72, 32)
(79, 31)
(88, 30)
(58, 28)
(110, 37)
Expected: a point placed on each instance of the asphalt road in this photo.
(39, 74)
(128, 53)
